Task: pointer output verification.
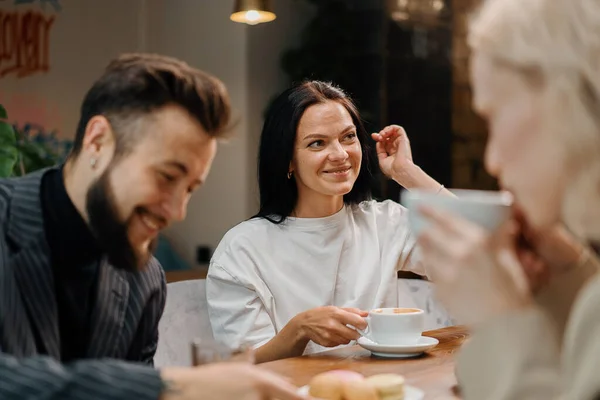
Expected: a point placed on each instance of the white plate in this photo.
(398, 351)
(410, 392)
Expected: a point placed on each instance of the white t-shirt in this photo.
(262, 274)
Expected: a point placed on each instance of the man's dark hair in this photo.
(136, 84)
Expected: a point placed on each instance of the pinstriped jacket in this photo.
(124, 331)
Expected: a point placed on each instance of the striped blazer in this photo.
(124, 331)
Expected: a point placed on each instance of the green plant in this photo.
(8, 146)
(21, 152)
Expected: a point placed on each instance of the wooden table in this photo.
(432, 372)
(185, 274)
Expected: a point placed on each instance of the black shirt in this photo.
(75, 263)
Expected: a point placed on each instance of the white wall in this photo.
(245, 57)
(80, 45)
(266, 43)
(200, 33)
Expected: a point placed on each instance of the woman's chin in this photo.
(340, 190)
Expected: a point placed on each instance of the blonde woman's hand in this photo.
(546, 253)
(477, 274)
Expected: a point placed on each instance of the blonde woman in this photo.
(536, 79)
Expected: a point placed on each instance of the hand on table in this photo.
(226, 381)
(326, 326)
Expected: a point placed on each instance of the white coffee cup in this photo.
(394, 326)
(488, 209)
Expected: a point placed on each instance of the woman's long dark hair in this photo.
(278, 194)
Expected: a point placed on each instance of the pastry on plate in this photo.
(359, 390)
(388, 386)
(330, 385)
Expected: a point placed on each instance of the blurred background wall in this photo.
(404, 62)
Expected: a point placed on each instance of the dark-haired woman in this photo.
(298, 276)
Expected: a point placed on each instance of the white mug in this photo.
(394, 326)
(488, 209)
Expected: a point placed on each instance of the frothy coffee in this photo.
(396, 311)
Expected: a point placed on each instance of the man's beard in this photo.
(110, 232)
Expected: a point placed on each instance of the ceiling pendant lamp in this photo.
(252, 12)
(424, 13)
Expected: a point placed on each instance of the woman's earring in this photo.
(290, 175)
(93, 162)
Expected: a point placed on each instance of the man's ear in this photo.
(98, 141)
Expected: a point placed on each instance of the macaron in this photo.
(388, 386)
(359, 390)
(330, 385)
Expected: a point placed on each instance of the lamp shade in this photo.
(252, 12)
(425, 13)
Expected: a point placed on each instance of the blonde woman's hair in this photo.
(555, 45)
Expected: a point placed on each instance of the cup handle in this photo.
(366, 331)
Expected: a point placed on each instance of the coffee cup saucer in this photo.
(398, 350)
